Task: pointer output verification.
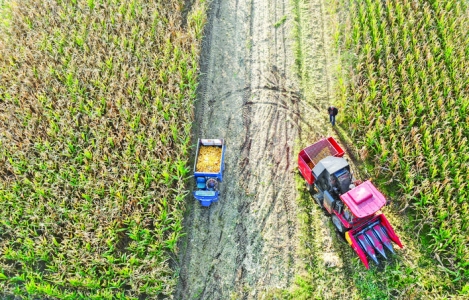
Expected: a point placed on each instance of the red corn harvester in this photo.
(353, 206)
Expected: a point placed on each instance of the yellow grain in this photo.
(209, 159)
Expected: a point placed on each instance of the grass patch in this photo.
(96, 102)
(280, 22)
(5, 16)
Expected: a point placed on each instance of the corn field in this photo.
(96, 105)
(407, 103)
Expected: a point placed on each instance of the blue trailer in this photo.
(208, 170)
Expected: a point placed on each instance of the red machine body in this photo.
(354, 206)
(311, 155)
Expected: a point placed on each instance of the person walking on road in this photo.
(333, 111)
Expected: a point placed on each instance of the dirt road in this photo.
(245, 246)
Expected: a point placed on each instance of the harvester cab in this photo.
(333, 175)
(354, 206)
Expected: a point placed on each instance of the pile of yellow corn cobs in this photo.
(324, 153)
(209, 159)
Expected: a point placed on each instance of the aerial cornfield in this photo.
(407, 104)
(95, 119)
(96, 110)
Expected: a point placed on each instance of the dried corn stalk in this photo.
(209, 159)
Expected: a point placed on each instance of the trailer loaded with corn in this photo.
(353, 206)
(208, 170)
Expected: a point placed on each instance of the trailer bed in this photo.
(311, 155)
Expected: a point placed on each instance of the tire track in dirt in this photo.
(244, 246)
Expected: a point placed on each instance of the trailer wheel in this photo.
(338, 224)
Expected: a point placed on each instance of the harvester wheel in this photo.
(309, 187)
(338, 224)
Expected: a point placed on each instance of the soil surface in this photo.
(246, 245)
